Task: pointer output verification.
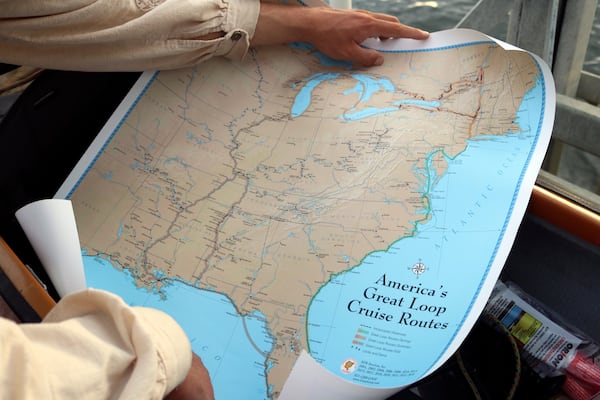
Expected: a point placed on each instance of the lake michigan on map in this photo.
(227, 341)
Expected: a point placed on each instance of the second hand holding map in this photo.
(290, 204)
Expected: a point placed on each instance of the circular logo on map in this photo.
(348, 366)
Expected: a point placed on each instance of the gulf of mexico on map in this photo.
(318, 231)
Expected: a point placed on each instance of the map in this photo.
(290, 204)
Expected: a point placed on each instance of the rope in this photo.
(495, 323)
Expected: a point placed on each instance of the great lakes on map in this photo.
(272, 182)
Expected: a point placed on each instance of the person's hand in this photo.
(334, 32)
(196, 385)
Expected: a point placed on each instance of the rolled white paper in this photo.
(51, 229)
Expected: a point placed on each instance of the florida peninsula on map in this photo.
(290, 203)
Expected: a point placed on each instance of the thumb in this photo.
(367, 57)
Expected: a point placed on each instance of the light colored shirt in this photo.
(123, 35)
(93, 346)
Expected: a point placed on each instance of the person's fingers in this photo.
(202, 377)
(364, 57)
(334, 32)
(383, 17)
(361, 24)
(196, 385)
(382, 27)
(378, 28)
(394, 25)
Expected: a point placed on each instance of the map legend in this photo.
(359, 338)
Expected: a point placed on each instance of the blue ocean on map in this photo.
(456, 246)
(442, 266)
(223, 339)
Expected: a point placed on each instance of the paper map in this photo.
(291, 205)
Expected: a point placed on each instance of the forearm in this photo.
(106, 35)
(109, 35)
(92, 345)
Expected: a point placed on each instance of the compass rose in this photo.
(419, 268)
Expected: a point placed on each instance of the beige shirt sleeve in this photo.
(93, 346)
(124, 35)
